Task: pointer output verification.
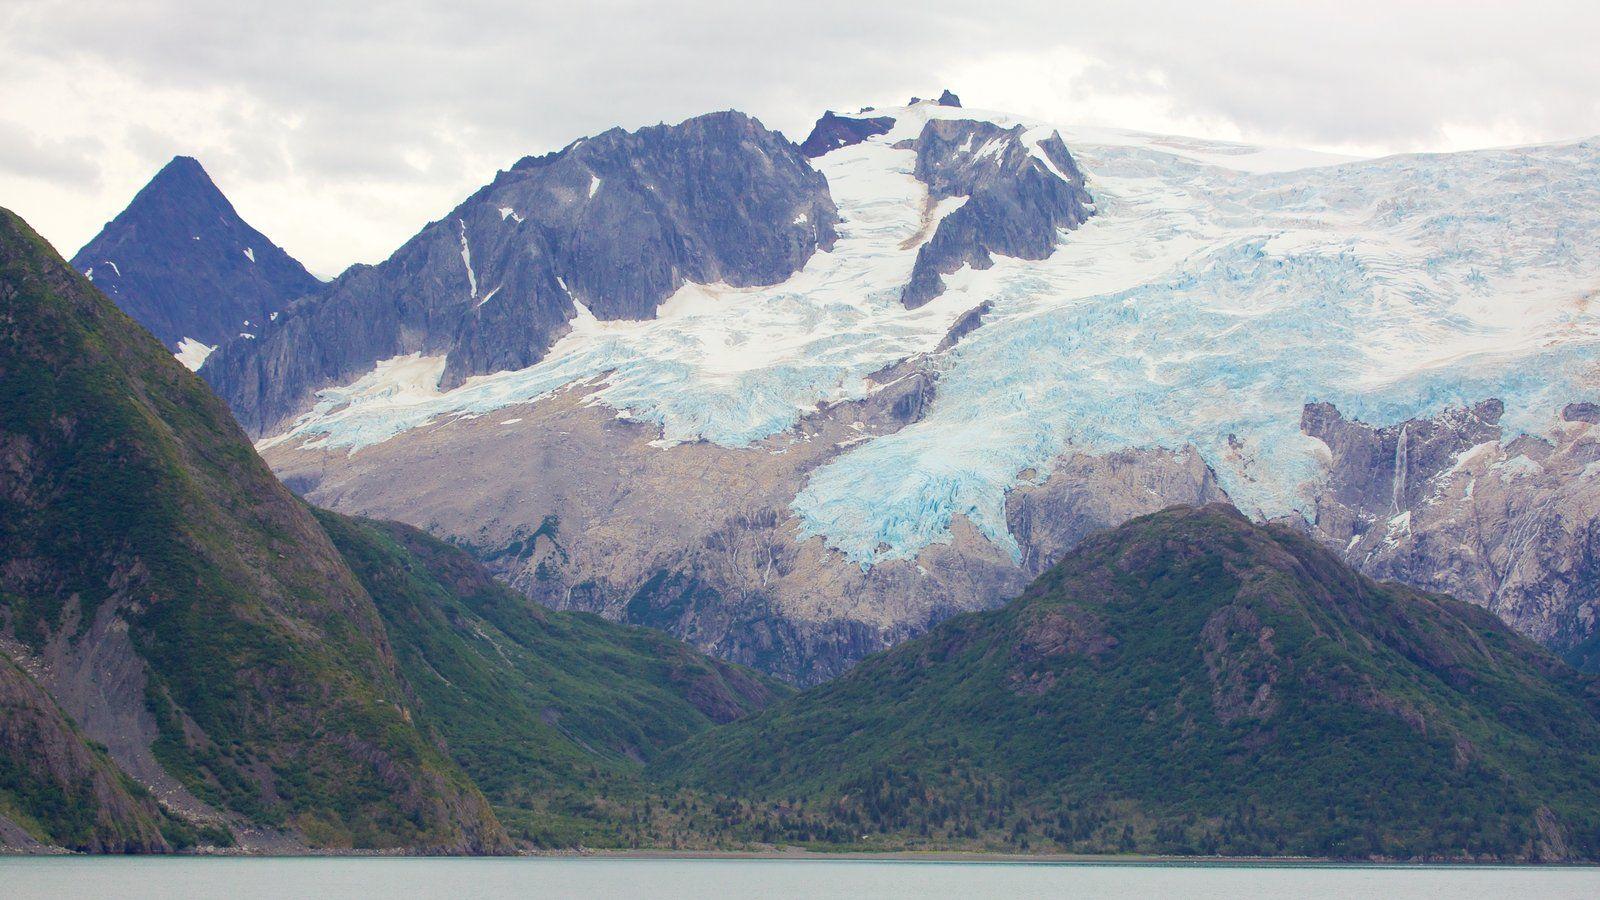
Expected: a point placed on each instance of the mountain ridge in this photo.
(608, 227)
(1185, 683)
(984, 226)
(269, 670)
(181, 262)
(989, 383)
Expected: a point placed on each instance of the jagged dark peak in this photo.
(946, 98)
(1021, 195)
(183, 263)
(617, 222)
(963, 156)
(833, 131)
(721, 124)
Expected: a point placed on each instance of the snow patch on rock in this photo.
(192, 353)
(1218, 289)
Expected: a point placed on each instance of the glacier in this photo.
(1218, 289)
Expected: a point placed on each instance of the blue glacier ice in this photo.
(1201, 308)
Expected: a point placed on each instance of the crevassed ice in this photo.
(1394, 288)
(1218, 289)
(721, 364)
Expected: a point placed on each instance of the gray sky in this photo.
(339, 130)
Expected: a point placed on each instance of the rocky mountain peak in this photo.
(613, 225)
(183, 263)
(184, 173)
(945, 98)
(1022, 190)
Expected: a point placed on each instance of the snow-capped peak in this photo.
(1217, 289)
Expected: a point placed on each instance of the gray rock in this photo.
(1384, 471)
(617, 222)
(1447, 504)
(1582, 412)
(1016, 205)
(970, 321)
(945, 99)
(834, 131)
(182, 263)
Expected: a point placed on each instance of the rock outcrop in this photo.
(834, 131)
(1450, 504)
(1019, 195)
(614, 223)
(60, 790)
(183, 264)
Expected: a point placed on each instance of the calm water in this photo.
(722, 879)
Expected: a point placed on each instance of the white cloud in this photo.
(339, 129)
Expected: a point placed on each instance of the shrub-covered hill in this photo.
(189, 610)
(177, 624)
(1188, 683)
(552, 714)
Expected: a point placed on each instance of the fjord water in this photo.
(23, 878)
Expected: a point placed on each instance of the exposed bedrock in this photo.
(833, 131)
(617, 222)
(579, 510)
(574, 507)
(1020, 196)
(182, 263)
(1450, 504)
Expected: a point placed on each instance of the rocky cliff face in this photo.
(1019, 198)
(1449, 504)
(611, 226)
(183, 264)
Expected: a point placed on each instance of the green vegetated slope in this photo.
(1186, 683)
(553, 714)
(349, 683)
(137, 520)
(1585, 657)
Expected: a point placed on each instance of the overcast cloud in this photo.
(340, 130)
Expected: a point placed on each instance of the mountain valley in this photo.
(947, 481)
(992, 338)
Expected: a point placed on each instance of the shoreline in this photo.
(935, 857)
